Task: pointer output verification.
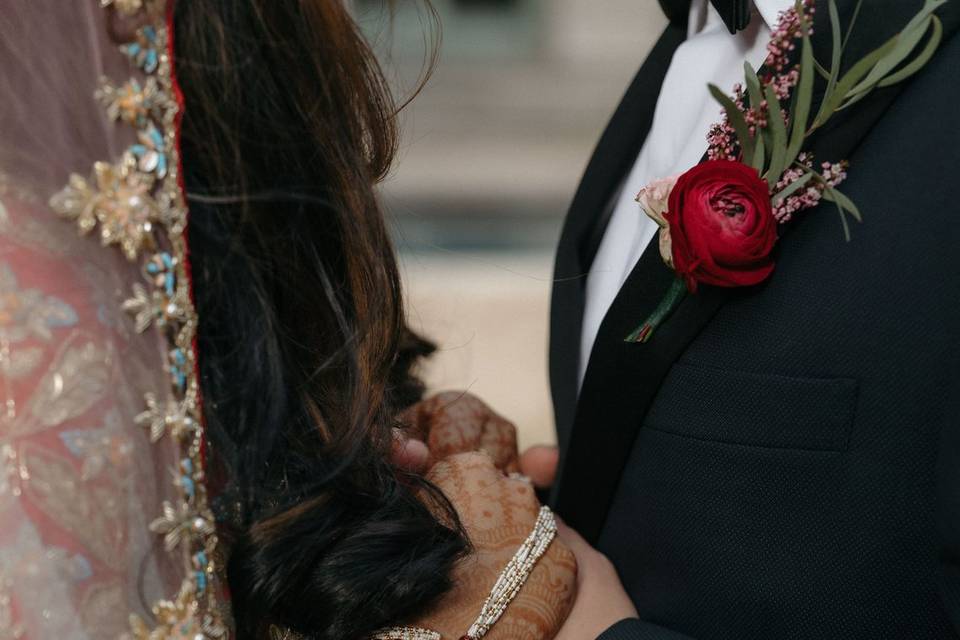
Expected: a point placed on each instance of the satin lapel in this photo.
(615, 153)
(735, 13)
(623, 379)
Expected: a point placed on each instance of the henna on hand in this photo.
(498, 514)
(455, 422)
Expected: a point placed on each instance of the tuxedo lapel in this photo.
(621, 382)
(623, 379)
(735, 13)
(588, 216)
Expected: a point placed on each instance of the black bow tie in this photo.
(735, 13)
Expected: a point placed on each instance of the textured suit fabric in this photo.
(797, 471)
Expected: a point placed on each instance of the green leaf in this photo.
(910, 68)
(829, 195)
(793, 187)
(907, 42)
(851, 78)
(759, 158)
(833, 195)
(922, 58)
(837, 52)
(804, 98)
(753, 85)
(853, 22)
(824, 73)
(929, 6)
(736, 119)
(778, 128)
(846, 225)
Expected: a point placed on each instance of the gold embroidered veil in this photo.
(105, 525)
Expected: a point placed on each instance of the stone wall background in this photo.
(493, 150)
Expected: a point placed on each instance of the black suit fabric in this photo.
(783, 461)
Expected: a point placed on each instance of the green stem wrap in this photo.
(675, 294)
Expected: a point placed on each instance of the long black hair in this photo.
(305, 357)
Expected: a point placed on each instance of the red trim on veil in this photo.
(188, 270)
(177, 124)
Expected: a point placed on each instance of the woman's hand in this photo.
(601, 600)
(499, 513)
(457, 422)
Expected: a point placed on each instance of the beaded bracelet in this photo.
(508, 585)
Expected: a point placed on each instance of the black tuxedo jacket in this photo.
(783, 461)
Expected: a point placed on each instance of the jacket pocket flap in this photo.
(736, 407)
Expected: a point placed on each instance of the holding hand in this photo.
(498, 514)
(457, 422)
(601, 600)
(574, 592)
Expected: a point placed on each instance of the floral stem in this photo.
(671, 300)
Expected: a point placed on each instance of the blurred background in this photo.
(493, 150)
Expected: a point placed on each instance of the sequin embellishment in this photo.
(136, 204)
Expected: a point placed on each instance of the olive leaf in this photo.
(804, 99)
(736, 119)
(922, 58)
(907, 43)
(756, 99)
(851, 78)
(853, 22)
(833, 195)
(793, 187)
(778, 129)
(929, 6)
(895, 51)
(836, 54)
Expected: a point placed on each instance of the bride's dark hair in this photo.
(305, 356)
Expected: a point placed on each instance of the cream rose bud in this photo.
(654, 199)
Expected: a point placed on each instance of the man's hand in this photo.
(601, 600)
(539, 463)
(409, 454)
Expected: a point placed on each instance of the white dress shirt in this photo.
(676, 142)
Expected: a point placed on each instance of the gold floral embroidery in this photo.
(119, 198)
(138, 205)
(180, 618)
(132, 7)
(90, 512)
(130, 102)
(161, 418)
(77, 379)
(179, 523)
(156, 308)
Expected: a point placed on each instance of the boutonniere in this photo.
(719, 222)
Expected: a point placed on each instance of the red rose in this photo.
(721, 225)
